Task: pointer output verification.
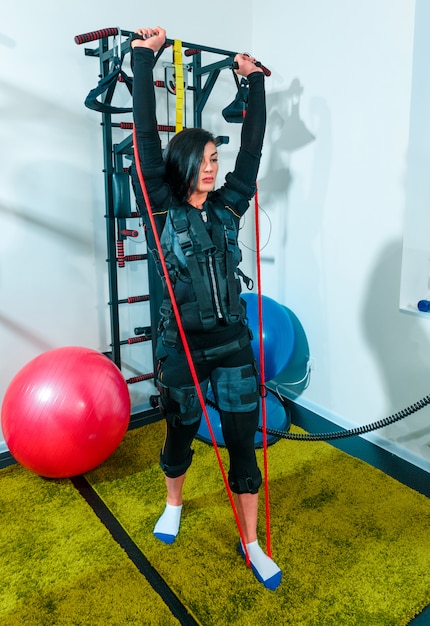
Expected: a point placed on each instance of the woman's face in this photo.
(208, 169)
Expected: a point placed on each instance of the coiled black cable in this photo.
(353, 432)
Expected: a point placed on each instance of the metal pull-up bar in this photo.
(114, 32)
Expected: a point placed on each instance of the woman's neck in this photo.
(197, 199)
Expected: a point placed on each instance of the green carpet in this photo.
(59, 565)
(353, 543)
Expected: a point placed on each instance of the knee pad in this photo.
(174, 471)
(181, 405)
(236, 388)
(249, 484)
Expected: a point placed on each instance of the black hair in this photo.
(183, 157)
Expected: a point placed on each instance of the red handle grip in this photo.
(266, 71)
(96, 34)
(264, 68)
(191, 52)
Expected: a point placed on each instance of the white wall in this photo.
(339, 221)
(336, 206)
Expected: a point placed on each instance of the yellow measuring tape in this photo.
(179, 81)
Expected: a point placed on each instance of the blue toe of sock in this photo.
(271, 583)
(165, 538)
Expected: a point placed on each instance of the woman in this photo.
(198, 230)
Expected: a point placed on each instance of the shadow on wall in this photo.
(31, 217)
(52, 202)
(23, 333)
(286, 119)
(399, 343)
(286, 133)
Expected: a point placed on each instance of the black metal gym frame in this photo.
(113, 46)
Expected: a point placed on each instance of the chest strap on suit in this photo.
(218, 352)
(201, 287)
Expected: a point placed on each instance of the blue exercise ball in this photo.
(278, 334)
(277, 418)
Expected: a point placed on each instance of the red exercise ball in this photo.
(65, 412)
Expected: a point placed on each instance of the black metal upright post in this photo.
(108, 168)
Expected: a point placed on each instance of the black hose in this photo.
(342, 434)
(366, 428)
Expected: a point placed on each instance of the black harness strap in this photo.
(231, 267)
(217, 352)
(201, 288)
(108, 84)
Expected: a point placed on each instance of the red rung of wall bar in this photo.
(138, 379)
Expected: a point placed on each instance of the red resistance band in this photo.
(262, 377)
(190, 359)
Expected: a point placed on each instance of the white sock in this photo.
(265, 570)
(167, 526)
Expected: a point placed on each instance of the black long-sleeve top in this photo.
(241, 180)
(239, 186)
